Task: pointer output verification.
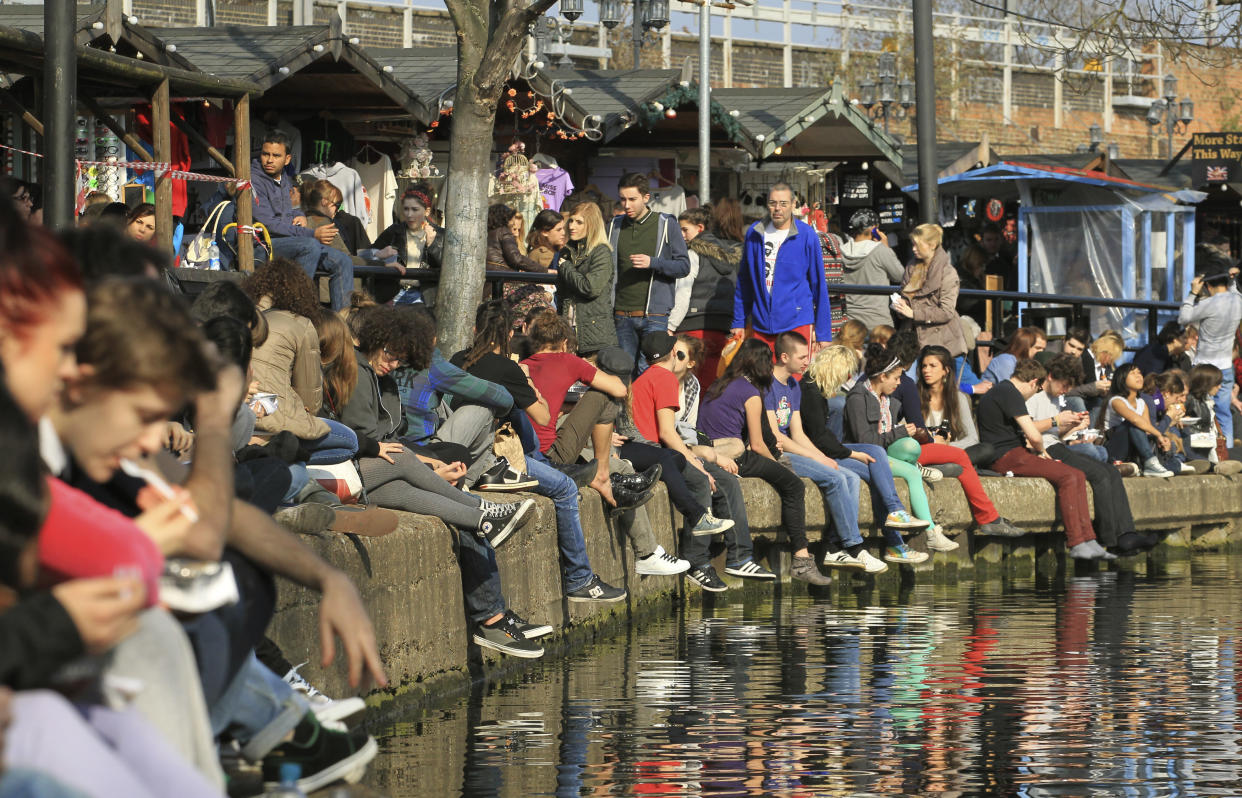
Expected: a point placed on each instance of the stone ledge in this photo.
(412, 586)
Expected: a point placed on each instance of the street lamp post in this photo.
(890, 92)
(1168, 111)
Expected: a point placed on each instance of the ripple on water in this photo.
(1114, 684)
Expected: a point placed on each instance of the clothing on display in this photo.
(349, 182)
(380, 184)
(555, 185)
(669, 199)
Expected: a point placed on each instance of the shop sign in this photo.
(1215, 158)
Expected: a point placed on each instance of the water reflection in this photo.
(1113, 684)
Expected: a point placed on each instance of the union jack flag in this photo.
(1217, 174)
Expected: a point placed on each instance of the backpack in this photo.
(197, 254)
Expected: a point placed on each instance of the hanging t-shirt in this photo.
(772, 240)
(671, 199)
(555, 185)
(380, 185)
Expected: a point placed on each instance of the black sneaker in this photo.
(325, 756)
(707, 579)
(499, 520)
(597, 590)
(506, 637)
(502, 477)
(529, 630)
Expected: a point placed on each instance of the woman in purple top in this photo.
(733, 408)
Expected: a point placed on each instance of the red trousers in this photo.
(1069, 483)
(713, 345)
(981, 506)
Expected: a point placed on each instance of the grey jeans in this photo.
(474, 427)
(409, 484)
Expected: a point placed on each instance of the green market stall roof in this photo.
(804, 124)
(608, 100)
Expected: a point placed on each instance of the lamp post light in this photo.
(885, 92)
(1168, 111)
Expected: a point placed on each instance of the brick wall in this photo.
(1216, 90)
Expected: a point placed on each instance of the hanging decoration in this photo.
(542, 119)
(678, 96)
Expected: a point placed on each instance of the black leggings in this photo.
(1112, 506)
(643, 456)
(790, 487)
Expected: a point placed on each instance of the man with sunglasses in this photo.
(780, 284)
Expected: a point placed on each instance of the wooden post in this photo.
(161, 132)
(241, 168)
(993, 282)
(14, 105)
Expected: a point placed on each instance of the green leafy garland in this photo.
(689, 95)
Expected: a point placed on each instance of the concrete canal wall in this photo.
(411, 584)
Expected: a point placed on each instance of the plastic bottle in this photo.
(213, 257)
(290, 772)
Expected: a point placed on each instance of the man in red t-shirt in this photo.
(554, 370)
(656, 398)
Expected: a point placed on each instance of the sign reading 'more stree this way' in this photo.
(1215, 158)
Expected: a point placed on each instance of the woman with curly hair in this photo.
(395, 477)
(288, 363)
(504, 255)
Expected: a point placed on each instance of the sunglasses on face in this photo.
(680, 354)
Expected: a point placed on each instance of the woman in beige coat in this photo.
(929, 292)
(288, 364)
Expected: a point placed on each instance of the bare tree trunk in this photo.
(486, 53)
(465, 217)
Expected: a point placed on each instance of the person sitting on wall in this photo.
(1006, 423)
(291, 237)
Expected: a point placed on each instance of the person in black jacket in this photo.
(415, 241)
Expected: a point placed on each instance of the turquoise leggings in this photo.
(919, 507)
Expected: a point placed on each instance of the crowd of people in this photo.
(158, 448)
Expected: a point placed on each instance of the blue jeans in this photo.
(308, 253)
(836, 417)
(1092, 450)
(841, 489)
(879, 477)
(575, 567)
(630, 332)
(1222, 401)
(480, 577)
(339, 445)
(258, 709)
(300, 479)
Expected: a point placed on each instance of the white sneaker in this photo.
(871, 565)
(1153, 468)
(1186, 468)
(936, 540)
(326, 709)
(842, 559)
(931, 474)
(661, 563)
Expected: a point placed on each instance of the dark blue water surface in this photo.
(1116, 683)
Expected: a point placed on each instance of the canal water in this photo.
(1116, 683)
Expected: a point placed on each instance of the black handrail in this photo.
(498, 278)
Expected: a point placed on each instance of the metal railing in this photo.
(1075, 305)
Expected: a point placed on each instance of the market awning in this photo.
(1002, 181)
(259, 54)
(427, 75)
(809, 124)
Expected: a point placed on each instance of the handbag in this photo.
(508, 445)
(1222, 445)
(198, 253)
(341, 479)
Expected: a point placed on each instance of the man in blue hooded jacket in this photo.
(780, 284)
(291, 238)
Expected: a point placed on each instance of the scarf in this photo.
(920, 270)
(886, 416)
